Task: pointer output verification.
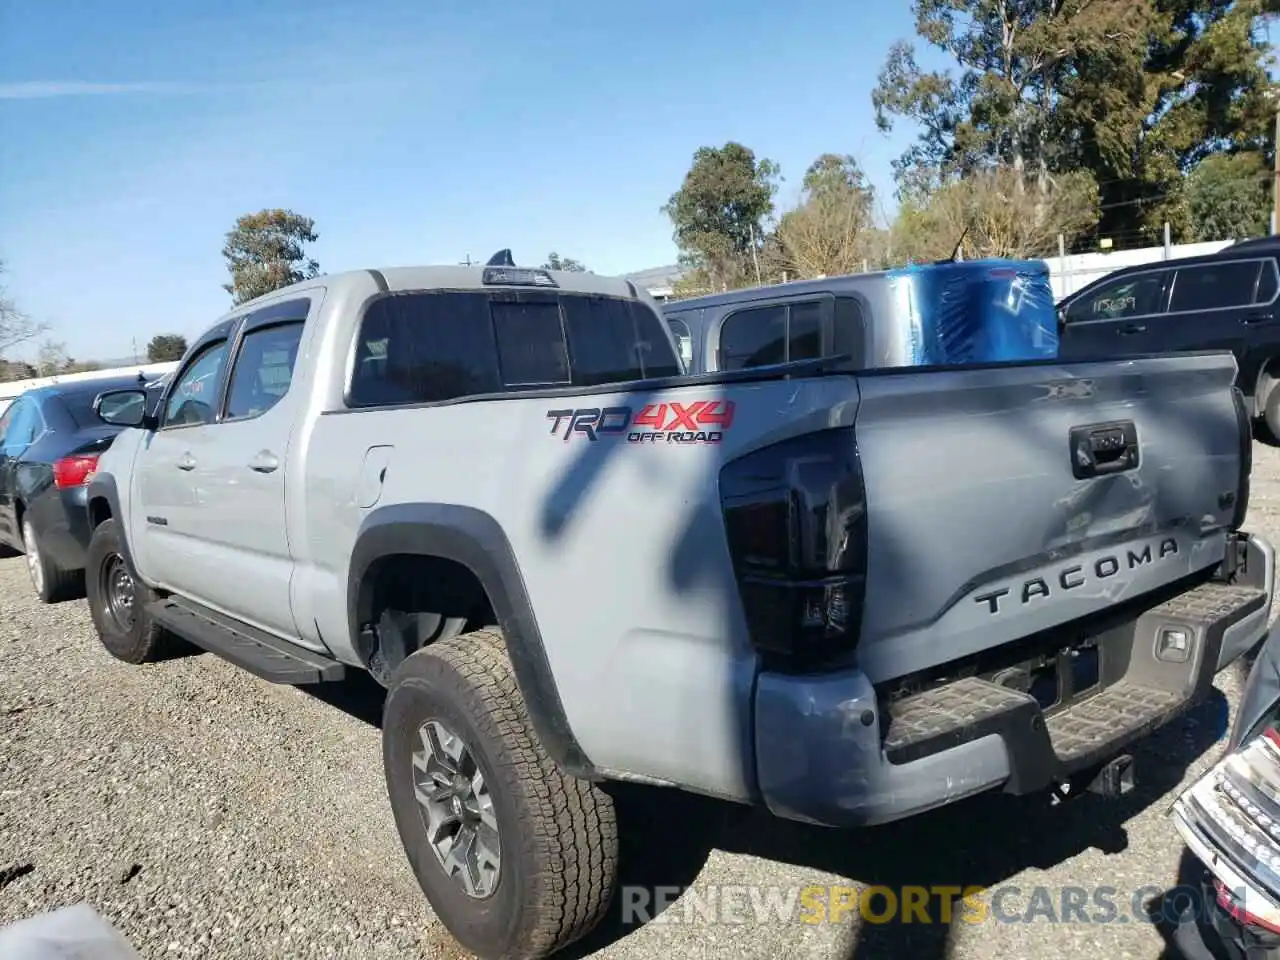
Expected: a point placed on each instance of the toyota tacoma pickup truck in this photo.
(845, 596)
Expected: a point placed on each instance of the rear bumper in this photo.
(829, 751)
(61, 521)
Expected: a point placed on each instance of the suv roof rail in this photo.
(1268, 241)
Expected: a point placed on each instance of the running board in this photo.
(247, 647)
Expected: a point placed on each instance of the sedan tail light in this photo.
(75, 470)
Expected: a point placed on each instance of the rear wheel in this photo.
(52, 584)
(118, 600)
(1269, 431)
(516, 859)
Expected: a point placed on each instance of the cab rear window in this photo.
(426, 347)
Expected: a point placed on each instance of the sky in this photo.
(134, 132)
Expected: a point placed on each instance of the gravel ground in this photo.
(208, 814)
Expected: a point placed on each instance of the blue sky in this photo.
(135, 133)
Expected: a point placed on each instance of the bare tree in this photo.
(996, 215)
(15, 326)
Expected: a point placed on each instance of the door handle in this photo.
(1256, 318)
(264, 462)
(1132, 328)
(186, 462)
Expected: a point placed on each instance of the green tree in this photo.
(557, 262)
(720, 214)
(165, 347)
(829, 231)
(266, 251)
(1229, 197)
(1134, 92)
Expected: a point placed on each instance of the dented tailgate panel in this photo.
(1005, 501)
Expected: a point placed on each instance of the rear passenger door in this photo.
(244, 565)
(1225, 305)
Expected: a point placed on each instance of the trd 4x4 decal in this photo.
(702, 421)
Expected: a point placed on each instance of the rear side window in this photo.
(434, 346)
(1214, 286)
(850, 332)
(779, 333)
(263, 369)
(1267, 283)
(754, 338)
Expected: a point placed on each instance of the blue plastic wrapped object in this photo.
(975, 311)
(77, 932)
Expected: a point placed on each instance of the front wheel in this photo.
(118, 600)
(517, 859)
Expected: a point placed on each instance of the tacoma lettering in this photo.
(1077, 575)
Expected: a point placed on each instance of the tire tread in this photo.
(573, 838)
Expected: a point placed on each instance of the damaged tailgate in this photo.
(1007, 501)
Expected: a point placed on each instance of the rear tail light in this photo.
(74, 471)
(1245, 428)
(796, 520)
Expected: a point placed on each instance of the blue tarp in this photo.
(974, 311)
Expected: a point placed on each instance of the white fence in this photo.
(15, 388)
(1074, 271)
(1067, 274)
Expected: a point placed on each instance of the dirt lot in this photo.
(208, 814)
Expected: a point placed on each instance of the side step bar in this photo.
(247, 647)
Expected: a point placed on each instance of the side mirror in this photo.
(124, 408)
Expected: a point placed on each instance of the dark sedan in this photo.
(50, 441)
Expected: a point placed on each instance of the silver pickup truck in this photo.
(847, 596)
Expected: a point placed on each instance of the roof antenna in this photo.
(501, 259)
(956, 252)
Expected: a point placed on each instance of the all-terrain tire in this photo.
(558, 835)
(51, 583)
(136, 640)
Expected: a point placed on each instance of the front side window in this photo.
(263, 369)
(684, 341)
(23, 425)
(196, 392)
(1133, 296)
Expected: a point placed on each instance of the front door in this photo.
(18, 429)
(244, 565)
(164, 515)
(1117, 318)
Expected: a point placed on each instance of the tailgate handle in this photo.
(1099, 449)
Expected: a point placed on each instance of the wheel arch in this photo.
(474, 540)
